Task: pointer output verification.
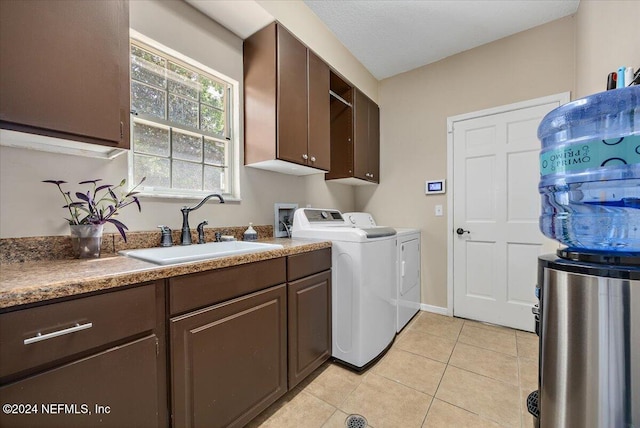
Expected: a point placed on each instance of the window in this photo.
(181, 128)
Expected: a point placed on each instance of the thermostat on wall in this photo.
(434, 187)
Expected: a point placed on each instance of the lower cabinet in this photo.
(86, 362)
(228, 343)
(240, 337)
(309, 335)
(229, 361)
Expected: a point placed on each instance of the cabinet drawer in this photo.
(305, 264)
(44, 334)
(115, 388)
(198, 290)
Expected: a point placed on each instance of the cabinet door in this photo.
(115, 388)
(367, 139)
(292, 98)
(319, 119)
(373, 150)
(309, 325)
(65, 69)
(361, 137)
(228, 362)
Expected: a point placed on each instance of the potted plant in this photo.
(91, 210)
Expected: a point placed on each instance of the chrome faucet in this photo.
(186, 231)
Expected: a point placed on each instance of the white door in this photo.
(497, 205)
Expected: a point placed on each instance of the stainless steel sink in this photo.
(191, 253)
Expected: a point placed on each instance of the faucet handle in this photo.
(201, 232)
(165, 239)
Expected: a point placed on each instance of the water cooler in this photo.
(589, 327)
(588, 316)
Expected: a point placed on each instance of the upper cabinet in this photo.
(355, 135)
(286, 104)
(366, 139)
(65, 70)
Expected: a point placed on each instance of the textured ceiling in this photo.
(392, 36)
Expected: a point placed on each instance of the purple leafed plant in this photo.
(94, 207)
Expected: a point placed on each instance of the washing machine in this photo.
(362, 284)
(407, 267)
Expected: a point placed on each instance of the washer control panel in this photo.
(318, 215)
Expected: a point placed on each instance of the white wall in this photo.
(31, 208)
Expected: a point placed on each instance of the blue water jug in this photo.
(590, 172)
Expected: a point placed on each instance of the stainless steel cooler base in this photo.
(590, 351)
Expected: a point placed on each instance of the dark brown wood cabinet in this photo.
(309, 309)
(309, 325)
(92, 361)
(228, 360)
(286, 103)
(65, 69)
(355, 135)
(263, 328)
(366, 139)
(309, 313)
(239, 338)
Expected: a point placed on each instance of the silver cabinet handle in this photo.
(305, 156)
(40, 337)
(313, 158)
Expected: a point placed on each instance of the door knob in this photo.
(461, 231)
(305, 156)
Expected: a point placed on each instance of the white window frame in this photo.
(233, 194)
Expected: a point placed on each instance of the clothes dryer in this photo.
(407, 265)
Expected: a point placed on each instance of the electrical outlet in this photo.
(438, 210)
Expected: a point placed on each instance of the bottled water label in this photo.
(593, 154)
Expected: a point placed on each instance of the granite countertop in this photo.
(37, 281)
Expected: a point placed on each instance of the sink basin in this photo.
(195, 252)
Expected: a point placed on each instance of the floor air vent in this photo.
(532, 404)
(355, 421)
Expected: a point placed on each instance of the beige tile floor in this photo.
(440, 372)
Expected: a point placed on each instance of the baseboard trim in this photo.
(435, 309)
